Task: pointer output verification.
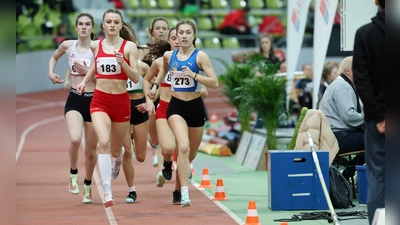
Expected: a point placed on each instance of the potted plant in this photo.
(264, 94)
(234, 76)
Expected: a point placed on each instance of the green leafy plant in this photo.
(234, 76)
(264, 94)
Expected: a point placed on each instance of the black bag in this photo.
(341, 193)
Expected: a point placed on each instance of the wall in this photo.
(32, 67)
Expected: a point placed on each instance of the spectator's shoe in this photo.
(190, 177)
(73, 187)
(185, 201)
(131, 198)
(176, 200)
(167, 170)
(108, 199)
(160, 180)
(116, 167)
(87, 194)
(155, 161)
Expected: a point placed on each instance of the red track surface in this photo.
(42, 174)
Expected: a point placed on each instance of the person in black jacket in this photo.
(369, 72)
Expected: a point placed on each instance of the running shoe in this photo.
(73, 187)
(185, 201)
(116, 167)
(108, 199)
(160, 180)
(176, 197)
(131, 198)
(167, 170)
(87, 195)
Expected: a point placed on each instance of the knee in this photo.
(75, 143)
(104, 144)
(90, 154)
(183, 149)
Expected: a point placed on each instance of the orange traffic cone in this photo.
(284, 223)
(220, 191)
(252, 215)
(213, 118)
(205, 180)
(191, 167)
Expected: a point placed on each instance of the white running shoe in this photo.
(185, 201)
(155, 161)
(108, 199)
(116, 167)
(160, 180)
(87, 195)
(73, 187)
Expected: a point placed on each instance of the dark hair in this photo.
(192, 24)
(271, 54)
(127, 32)
(170, 30)
(92, 35)
(150, 29)
(382, 3)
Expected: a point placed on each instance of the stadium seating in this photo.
(238, 4)
(256, 4)
(212, 43)
(231, 42)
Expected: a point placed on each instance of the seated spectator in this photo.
(304, 87)
(59, 36)
(235, 23)
(329, 73)
(272, 25)
(341, 106)
(267, 50)
(47, 26)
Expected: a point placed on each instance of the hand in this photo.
(187, 72)
(119, 56)
(150, 108)
(67, 85)
(381, 127)
(81, 69)
(81, 87)
(141, 107)
(55, 78)
(152, 92)
(242, 28)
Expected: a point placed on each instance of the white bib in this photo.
(181, 81)
(80, 61)
(131, 86)
(108, 66)
(167, 79)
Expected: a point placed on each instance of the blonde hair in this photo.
(346, 63)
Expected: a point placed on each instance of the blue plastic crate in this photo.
(362, 184)
(293, 182)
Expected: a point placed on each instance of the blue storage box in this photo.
(293, 182)
(362, 184)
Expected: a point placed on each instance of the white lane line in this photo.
(29, 100)
(42, 106)
(219, 204)
(97, 180)
(30, 128)
(110, 214)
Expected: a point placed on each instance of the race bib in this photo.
(167, 78)
(131, 86)
(108, 66)
(80, 61)
(181, 81)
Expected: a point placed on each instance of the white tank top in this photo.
(132, 87)
(83, 58)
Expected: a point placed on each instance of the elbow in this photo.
(215, 84)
